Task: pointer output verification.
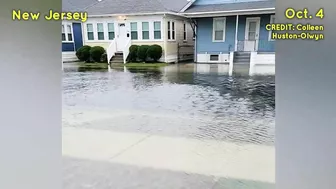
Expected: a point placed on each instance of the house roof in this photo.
(76, 5)
(95, 7)
(231, 6)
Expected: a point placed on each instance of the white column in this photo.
(236, 36)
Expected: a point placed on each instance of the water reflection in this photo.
(221, 107)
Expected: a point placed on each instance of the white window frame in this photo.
(137, 30)
(108, 31)
(171, 31)
(185, 32)
(213, 29)
(270, 31)
(93, 32)
(66, 32)
(104, 33)
(142, 30)
(160, 30)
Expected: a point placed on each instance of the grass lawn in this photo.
(92, 65)
(141, 65)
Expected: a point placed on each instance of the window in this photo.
(171, 30)
(145, 30)
(214, 57)
(100, 31)
(63, 33)
(184, 32)
(219, 29)
(89, 28)
(134, 30)
(69, 31)
(110, 28)
(157, 30)
(272, 21)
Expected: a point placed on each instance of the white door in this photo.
(121, 38)
(252, 34)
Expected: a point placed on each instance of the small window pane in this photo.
(219, 25)
(219, 35)
(157, 26)
(145, 26)
(89, 27)
(63, 37)
(157, 34)
(69, 29)
(110, 27)
(145, 35)
(63, 29)
(134, 35)
(90, 36)
(134, 26)
(214, 57)
(100, 27)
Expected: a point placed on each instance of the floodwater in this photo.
(221, 126)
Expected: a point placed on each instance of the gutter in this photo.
(165, 38)
(137, 14)
(242, 11)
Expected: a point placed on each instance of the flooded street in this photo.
(171, 128)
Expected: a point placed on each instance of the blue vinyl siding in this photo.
(204, 36)
(205, 30)
(211, 2)
(67, 47)
(78, 39)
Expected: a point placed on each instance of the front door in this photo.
(121, 38)
(252, 34)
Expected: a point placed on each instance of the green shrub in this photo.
(142, 53)
(154, 52)
(96, 53)
(104, 58)
(83, 53)
(133, 53)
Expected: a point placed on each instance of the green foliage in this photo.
(154, 52)
(104, 58)
(142, 53)
(83, 53)
(133, 53)
(96, 53)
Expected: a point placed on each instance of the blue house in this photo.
(72, 40)
(232, 29)
(72, 35)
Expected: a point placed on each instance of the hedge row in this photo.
(144, 53)
(91, 54)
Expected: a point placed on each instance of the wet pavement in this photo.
(168, 128)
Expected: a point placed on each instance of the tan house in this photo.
(118, 24)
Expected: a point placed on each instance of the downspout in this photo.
(195, 45)
(164, 37)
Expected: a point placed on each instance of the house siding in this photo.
(68, 47)
(77, 37)
(205, 45)
(264, 45)
(204, 38)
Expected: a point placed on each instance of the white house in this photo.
(118, 24)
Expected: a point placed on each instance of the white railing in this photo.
(111, 50)
(126, 49)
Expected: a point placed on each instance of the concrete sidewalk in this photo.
(203, 157)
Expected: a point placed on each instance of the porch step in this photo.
(241, 57)
(117, 58)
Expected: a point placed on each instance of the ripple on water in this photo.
(178, 103)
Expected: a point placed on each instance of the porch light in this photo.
(122, 17)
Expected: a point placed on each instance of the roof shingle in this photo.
(231, 6)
